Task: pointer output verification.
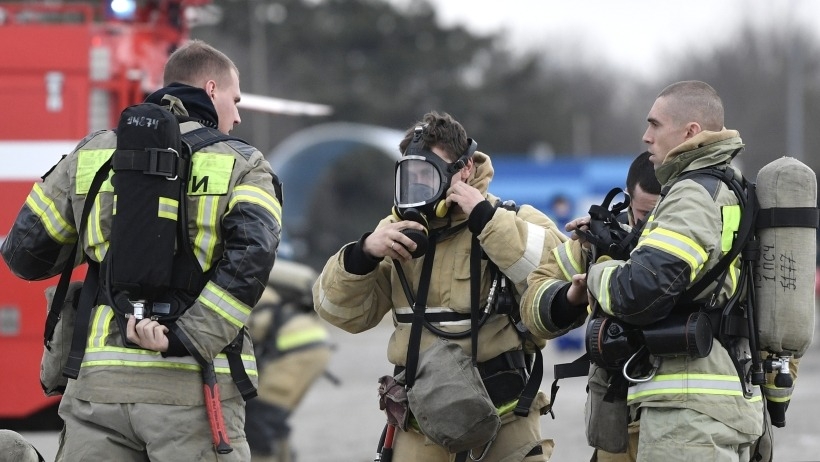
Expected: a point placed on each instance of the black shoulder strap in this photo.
(206, 136)
(62, 286)
(195, 140)
(188, 274)
(420, 305)
(709, 178)
(88, 294)
(748, 202)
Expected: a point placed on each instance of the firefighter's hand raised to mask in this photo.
(466, 196)
(389, 241)
(148, 334)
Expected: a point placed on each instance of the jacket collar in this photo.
(185, 100)
(705, 149)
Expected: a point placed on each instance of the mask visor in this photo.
(418, 182)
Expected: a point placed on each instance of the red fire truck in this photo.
(66, 69)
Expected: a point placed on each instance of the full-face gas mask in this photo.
(422, 180)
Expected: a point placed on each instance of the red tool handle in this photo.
(388, 437)
(213, 407)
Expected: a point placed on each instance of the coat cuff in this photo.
(481, 215)
(356, 261)
(175, 346)
(562, 313)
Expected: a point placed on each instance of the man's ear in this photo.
(210, 88)
(468, 169)
(692, 129)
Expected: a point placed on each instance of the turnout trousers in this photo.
(140, 432)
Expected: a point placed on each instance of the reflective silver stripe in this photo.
(678, 245)
(429, 309)
(168, 208)
(56, 226)
(697, 384)
(604, 300)
(566, 261)
(206, 236)
(343, 312)
(224, 304)
(534, 248)
(432, 310)
(96, 241)
(99, 329)
(130, 357)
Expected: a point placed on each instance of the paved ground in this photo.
(343, 423)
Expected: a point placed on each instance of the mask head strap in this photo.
(462, 161)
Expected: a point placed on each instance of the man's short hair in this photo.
(695, 101)
(642, 172)
(195, 63)
(441, 130)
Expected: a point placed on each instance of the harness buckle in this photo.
(163, 162)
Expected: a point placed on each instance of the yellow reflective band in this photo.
(604, 300)
(99, 329)
(207, 219)
(88, 162)
(686, 384)
(646, 228)
(296, 339)
(734, 274)
(168, 208)
(731, 223)
(132, 357)
(566, 260)
(677, 245)
(506, 408)
(258, 196)
(224, 304)
(94, 234)
(57, 227)
(210, 174)
(536, 305)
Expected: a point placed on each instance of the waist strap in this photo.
(445, 316)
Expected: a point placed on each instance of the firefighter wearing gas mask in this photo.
(441, 206)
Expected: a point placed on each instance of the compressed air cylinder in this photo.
(784, 276)
(785, 271)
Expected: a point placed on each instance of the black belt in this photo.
(503, 362)
(447, 316)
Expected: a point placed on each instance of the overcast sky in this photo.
(634, 34)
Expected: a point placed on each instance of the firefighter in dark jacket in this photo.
(145, 400)
(690, 408)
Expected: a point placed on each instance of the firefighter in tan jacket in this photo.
(360, 284)
(545, 310)
(292, 350)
